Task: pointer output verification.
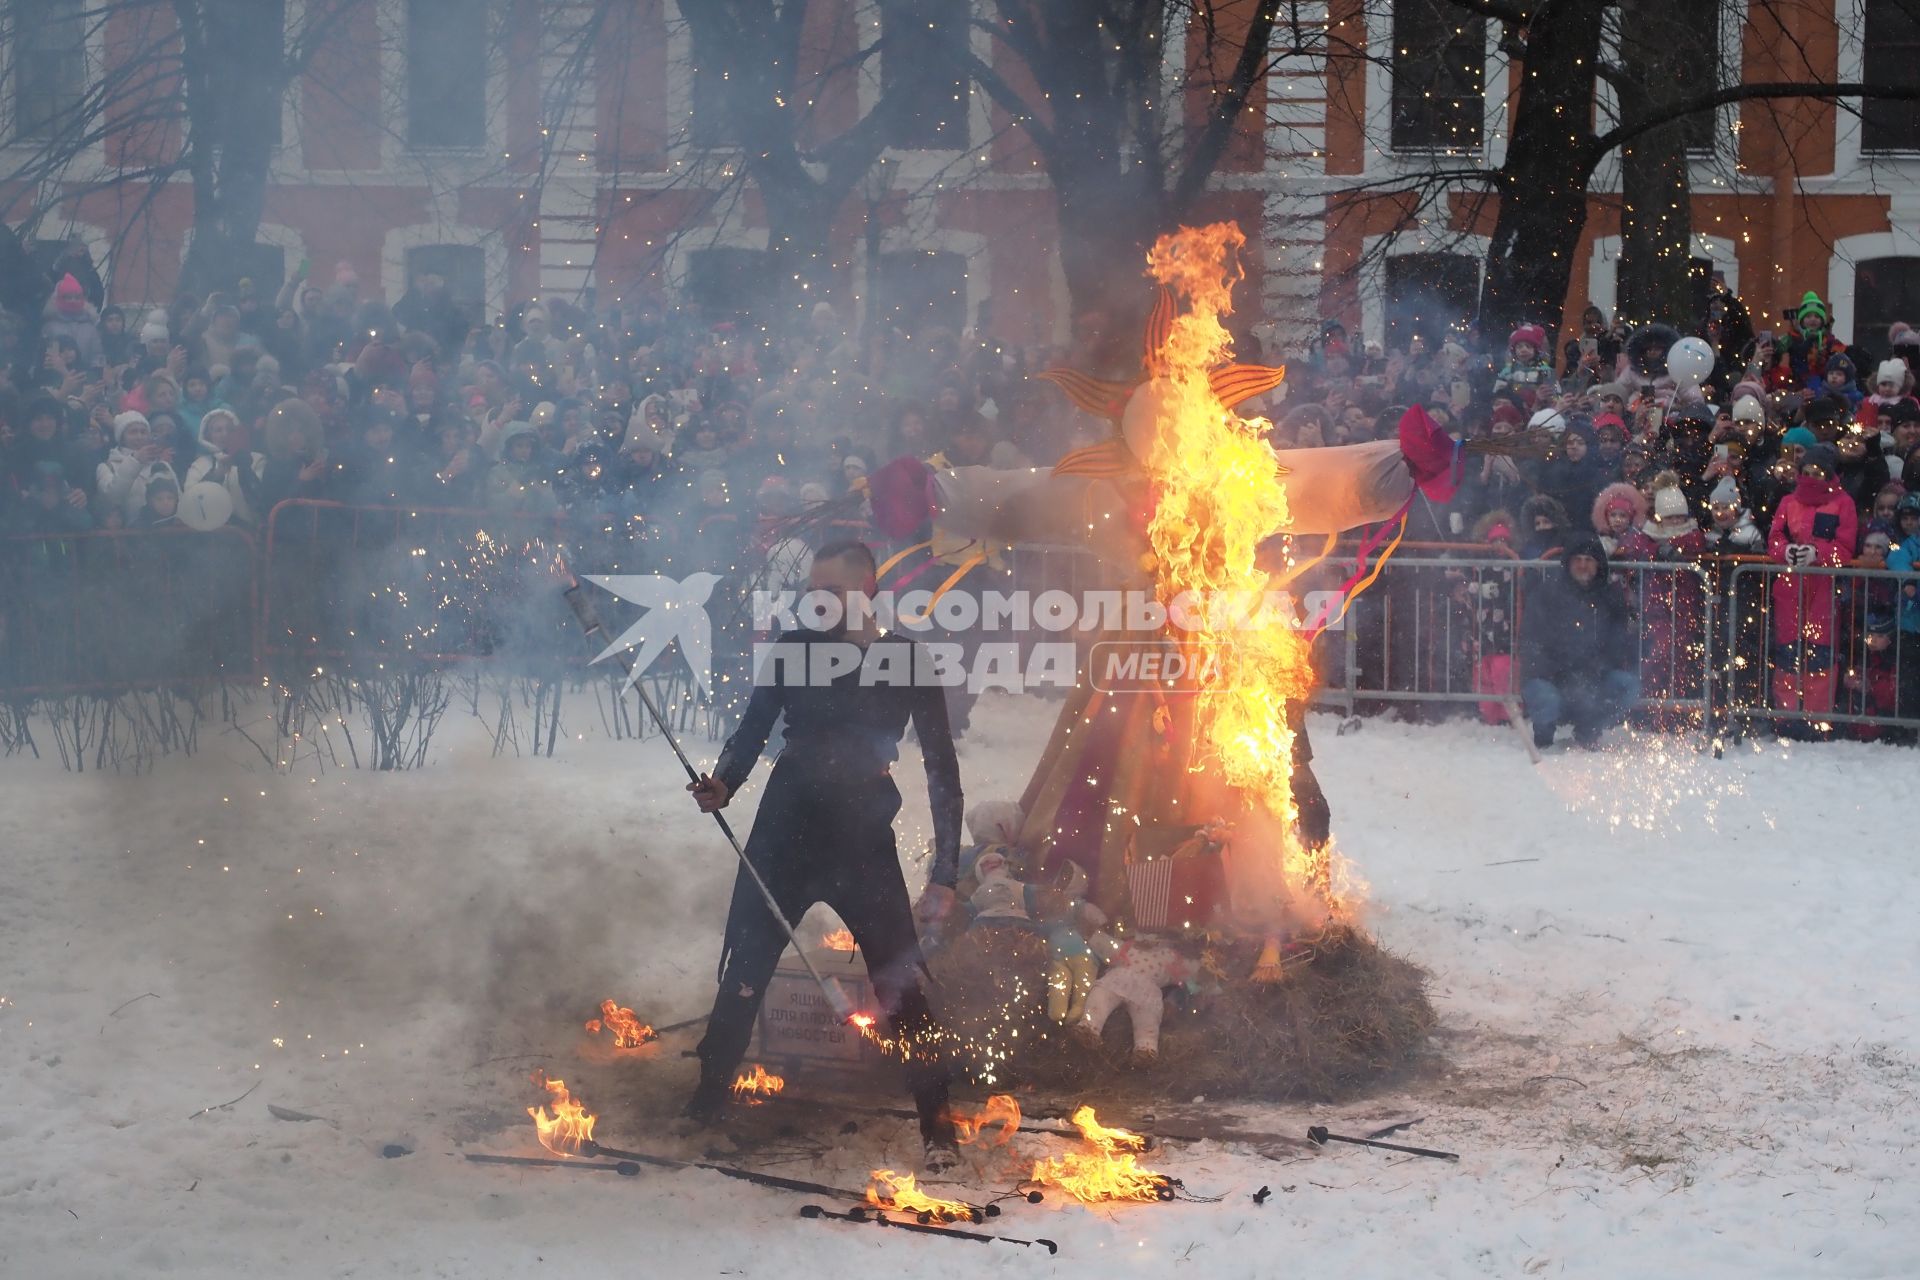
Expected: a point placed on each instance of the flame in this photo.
(840, 939)
(889, 1190)
(1219, 493)
(628, 1031)
(571, 1124)
(1108, 1171)
(752, 1085)
(1001, 1109)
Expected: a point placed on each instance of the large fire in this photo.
(569, 1127)
(1108, 1171)
(889, 1190)
(757, 1085)
(1219, 492)
(628, 1031)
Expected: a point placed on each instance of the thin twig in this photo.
(223, 1106)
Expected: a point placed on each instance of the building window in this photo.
(1430, 294)
(49, 65)
(462, 266)
(729, 284)
(921, 290)
(1883, 292)
(923, 45)
(1891, 35)
(1439, 77)
(1698, 22)
(446, 73)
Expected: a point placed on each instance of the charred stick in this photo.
(772, 1180)
(625, 1168)
(1319, 1136)
(924, 1228)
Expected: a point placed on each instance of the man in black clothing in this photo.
(824, 832)
(1578, 649)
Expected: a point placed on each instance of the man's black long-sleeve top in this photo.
(849, 729)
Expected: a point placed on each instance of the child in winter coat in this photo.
(135, 462)
(1527, 371)
(1617, 512)
(1840, 378)
(1817, 525)
(1732, 530)
(1814, 345)
(162, 510)
(70, 316)
(224, 463)
(1892, 386)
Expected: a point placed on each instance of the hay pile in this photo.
(1341, 1023)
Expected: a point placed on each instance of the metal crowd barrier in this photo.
(1440, 630)
(107, 610)
(1822, 646)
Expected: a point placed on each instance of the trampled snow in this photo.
(1677, 995)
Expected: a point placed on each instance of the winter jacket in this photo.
(1819, 515)
(1742, 539)
(1575, 634)
(1903, 559)
(83, 330)
(122, 480)
(240, 474)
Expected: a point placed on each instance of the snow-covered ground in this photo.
(1677, 998)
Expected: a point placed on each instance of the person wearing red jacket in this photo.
(1816, 526)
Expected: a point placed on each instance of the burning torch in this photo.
(583, 609)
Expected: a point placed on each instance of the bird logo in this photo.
(675, 610)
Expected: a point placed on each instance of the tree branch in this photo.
(1618, 137)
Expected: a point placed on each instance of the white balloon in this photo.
(1690, 361)
(205, 505)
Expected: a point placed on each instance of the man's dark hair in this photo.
(849, 549)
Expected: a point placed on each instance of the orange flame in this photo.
(569, 1127)
(1219, 493)
(889, 1190)
(756, 1085)
(1107, 1172)
(1001, 1109)
(840, 939)
(628, 1031)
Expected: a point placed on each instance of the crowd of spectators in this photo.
(679, 441)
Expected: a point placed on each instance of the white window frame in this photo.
(456, 166)
(1850, 251)
(1380, 158)
(1603, 267)
(92, 158)
(1375, 250)
(393, 256)
(1849, 160)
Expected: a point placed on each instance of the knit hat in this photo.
(1747, 409)
(68, 296)
(155, 328)
(1532, 334)
(641, 435)
(1504, 412)
(1824, 456)
(1613, 420)
(1748, 387)
(1610, 390)
(855, 463)
(125, 420)
(1894, 371)
(1696, 413)
(1810, 305)
(1840, 364)
(1671, 515)
(1547, 420)
(1725, 493)
(1802, 437)
(813, 493)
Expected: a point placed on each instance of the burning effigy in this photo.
(1162, 916)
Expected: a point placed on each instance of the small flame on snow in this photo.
(627, 1030)
(889, 1190)
(1001, 1110)
(840, 939)
(569, 1127)
(758, 1083)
